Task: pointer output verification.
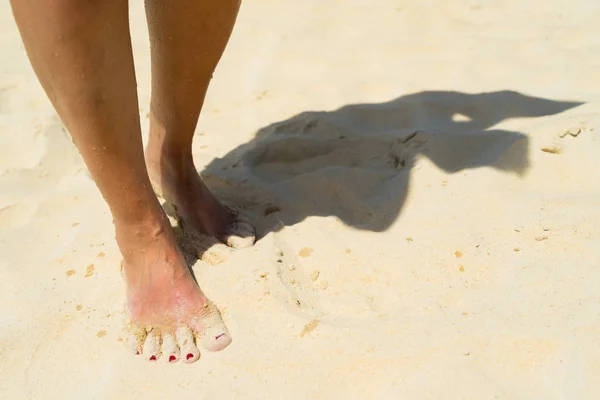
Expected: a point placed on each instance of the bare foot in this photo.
(169, 313)
(198, 209)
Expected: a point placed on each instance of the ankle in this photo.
(167, 156)
(169, 165)
(146, 215)
(148, 249)
(132, 233)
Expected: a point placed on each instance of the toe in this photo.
(188, 349)
(215, 338)
(211, 331)
(209, 249)
(136, 336)
(151, 347)
(169, 348)
(241, 233)
(215, 254)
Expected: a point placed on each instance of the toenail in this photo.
(190, 355)
(172, 358)
(153, 358)
(137, 353)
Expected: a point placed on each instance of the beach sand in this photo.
(424, 177)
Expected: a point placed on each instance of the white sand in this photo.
(462, 264)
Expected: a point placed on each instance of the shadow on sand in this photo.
(354, 162)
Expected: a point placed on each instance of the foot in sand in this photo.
(197, 208)
(100, 111)
(169, 313)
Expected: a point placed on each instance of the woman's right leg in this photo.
(81, 53)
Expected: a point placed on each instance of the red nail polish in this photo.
(217, 337)
(153, 358)
(137, 353)
(190, 355)
(172, 358)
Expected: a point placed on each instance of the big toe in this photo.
(240, 233)
(215, 338)
(211, 331)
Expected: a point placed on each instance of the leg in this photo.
(81, 53)
(187, 41)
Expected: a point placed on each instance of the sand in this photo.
(425, 181)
